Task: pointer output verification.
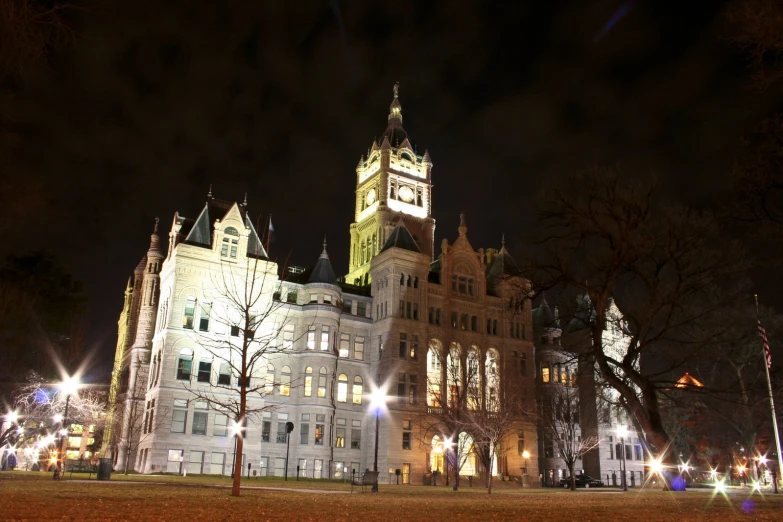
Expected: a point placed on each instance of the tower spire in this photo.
(209, 194)
(395, 109)
(324, 254)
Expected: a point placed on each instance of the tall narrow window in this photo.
(345, 345)
(184, 364)
(269, 386)
(224, 377)
(308, 382)
(403, 346)
(322, 382)
(204, 369)
(414, 350)
(221, 425)
(190, 312)
(203, 320)
(325, 339)
(311, 338)
(358, 348)
(285, 381)
(358, 390)
(342, 388)
(288, 336)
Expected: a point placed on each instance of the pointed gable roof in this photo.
(401, 238)
(543, 316)
(323, 271)
(503, 265)
(254, 246)
(201, 232)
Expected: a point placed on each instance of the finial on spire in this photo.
(396, 90)
(324, 242)
(324, 255)
(244, 203)
(209, 194)
(463, 227)
(155, 230)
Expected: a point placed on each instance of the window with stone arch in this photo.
(454, 373)
(285, 381)
(184, 364)
(434, 373)
(473, 374)
(228, 248)
(308, 382)
(322, 382)
(342, 388)
(492, 379)
(358, 390)
(269, 385)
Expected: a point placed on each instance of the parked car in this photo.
(582, 481)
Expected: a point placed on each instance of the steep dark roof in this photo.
(323, 271)
(544, 316)
(401, 238)
(503, 265)
(199, 232)
(584, 314)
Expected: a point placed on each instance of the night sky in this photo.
(157, 100)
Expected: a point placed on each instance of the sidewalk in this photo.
(213, 486)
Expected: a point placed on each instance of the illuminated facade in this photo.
(397, 320)
(559, 366)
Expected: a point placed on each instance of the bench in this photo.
(79, 466)
(368, 478)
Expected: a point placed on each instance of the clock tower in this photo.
(393, 184)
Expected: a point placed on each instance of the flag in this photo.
(765, 342)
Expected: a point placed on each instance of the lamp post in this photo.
(377, 401)
(622, 432)
(525, 455)
(69, 386)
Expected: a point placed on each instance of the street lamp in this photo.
(377, 402)
(69, 386)
(622, 432)
(236, 431)
(525, 455)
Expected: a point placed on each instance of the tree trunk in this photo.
(237, 466)
(570, 466)
(489, 475)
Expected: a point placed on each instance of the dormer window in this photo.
(230, 243)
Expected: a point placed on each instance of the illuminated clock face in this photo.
(406, 194)
(371, 197)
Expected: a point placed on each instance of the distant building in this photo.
(559, 365)
(401, 313)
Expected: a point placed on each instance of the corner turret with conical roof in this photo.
(323, 271)
(393, 185)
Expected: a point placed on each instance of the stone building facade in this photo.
(396, 321)
(561, 366)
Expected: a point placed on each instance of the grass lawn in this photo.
(35, 496)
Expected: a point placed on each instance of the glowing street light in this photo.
(377, 403)
(12, 417)
(69, 386)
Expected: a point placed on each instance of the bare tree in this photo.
(246, 300)
(665, 267)
(757, 26)
(491, 426)
(560, 420)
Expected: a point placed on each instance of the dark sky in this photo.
(158, 100)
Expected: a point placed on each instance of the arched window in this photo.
(454, 374)
(190, 312)
(434, 373)
(230, 243)
(285, 381)
(184, 364)
(322, 382)
(402, 279)
(474, 379)
(308, 382)
(415, 282)
(342, 388)
(409, 281)
(493, 379)
(358, 390)
(269, 386)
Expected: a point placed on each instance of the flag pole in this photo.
(767, 364)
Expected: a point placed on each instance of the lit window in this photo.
(184, 364)
(544, 373)
(358, 390)
(322, 382)
(342, 388)
(308, 382)
(345, 345)
(203, 322)
(311, 338)
(190, 311)
(285, 381)
(269, 386)
(325, 339)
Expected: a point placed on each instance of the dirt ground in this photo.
(35, 496)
